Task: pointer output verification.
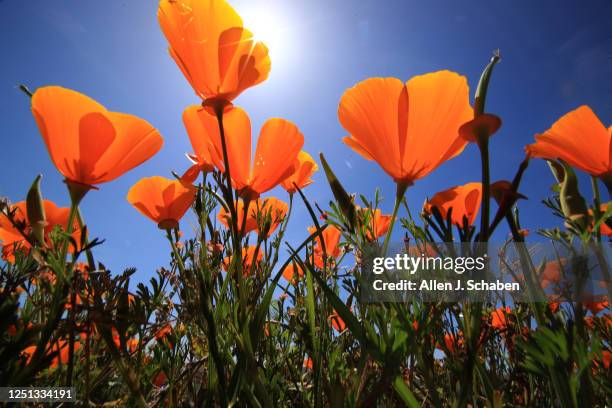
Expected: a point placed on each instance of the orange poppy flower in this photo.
(302, 175)
(163, 332)
(580, 139)
(217, 55)
(203, 131)
(408, 129)
(159, 379)
(11, 238)
(603, 227)
(293, 273)
(552, 272)
(499, 318)
(595, 305)
(331, 236)
(606, 358)
(88, 144)
(464, 200)
(162, 200)
(276, 154)
(272, 207)
(453, 342)
(250, 224)
(131, 343)
(378, 225)
(248, 259)
(336, 322)
(308, 363)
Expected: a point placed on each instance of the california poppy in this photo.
(162, 200)
(378, 223)
(248, 225)
(331, 237)
(270, 210)
(293, 273)
(217, 55)
(603, 227)
(580, 139)
(499, 319)
(453, 341)
(87, 143)
(464, 200)
(276, 154)
(308, 363)
(302, 175)
(11, 238)
(248, 259)
(409, 128)
(552, 272)
(159, 379)
(336, 322)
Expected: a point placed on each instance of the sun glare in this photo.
(270, 26)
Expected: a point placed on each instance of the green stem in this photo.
(399, 195)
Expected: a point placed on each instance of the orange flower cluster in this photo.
(261, 209)
(11, 237)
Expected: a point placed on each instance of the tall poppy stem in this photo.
(229, 196)
(399, 196)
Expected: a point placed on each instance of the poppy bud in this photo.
(344, 199)
(573, 204)
(557, 170)
(36, 210)
(483, 85)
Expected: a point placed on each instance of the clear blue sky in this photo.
(556, 55)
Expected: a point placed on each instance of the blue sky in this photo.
(555, 57)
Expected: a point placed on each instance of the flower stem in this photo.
(399, 195)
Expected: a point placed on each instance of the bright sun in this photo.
(268, 26)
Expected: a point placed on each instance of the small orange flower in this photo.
(606, 357)
(331, 236)
(251, 221)
(293, 273)
(248, 259)
(552, 272)
(336, 322)
(268, 207)
(219, 57)
(453, 342)
(162, 200)
(11, 238)
(603, 227)
(408, 129)
(464, 200)
(499, 318)
(378, 225)
(596, 305)
(88, 144)
(580, 139)
(163, 332)
(308, 363)
(302, 175)
(159, 379)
